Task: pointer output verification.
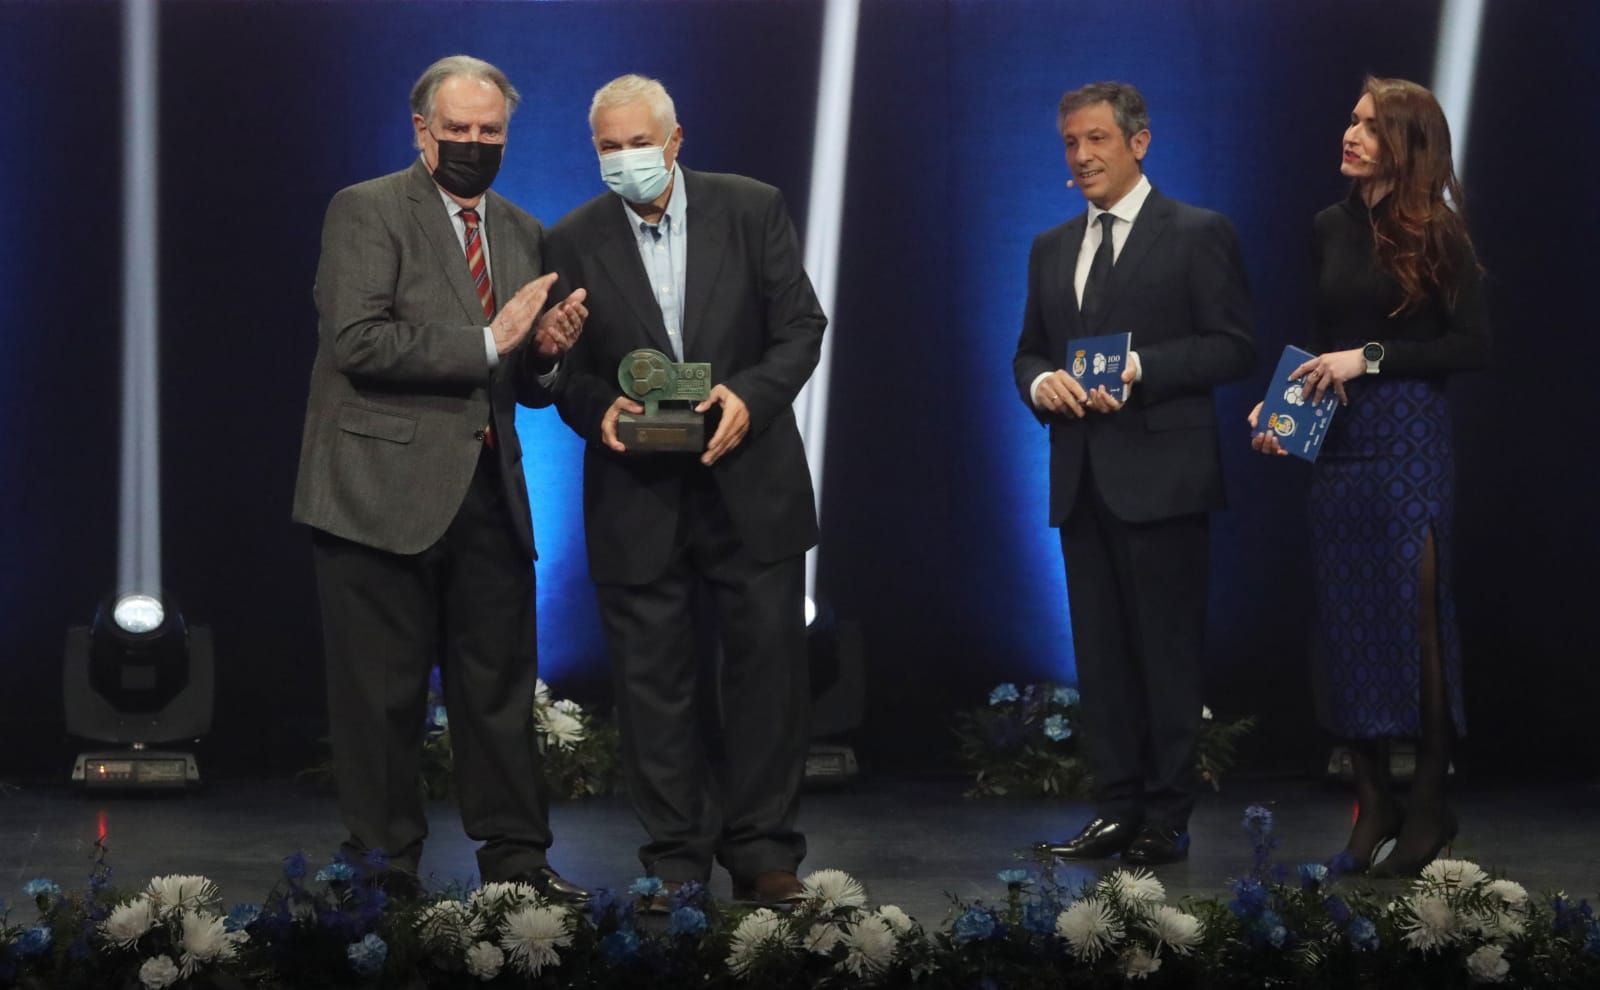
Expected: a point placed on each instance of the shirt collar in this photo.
(451, 206)
(1127, 208)
(677, 202)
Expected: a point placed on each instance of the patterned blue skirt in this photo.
(1385, 479)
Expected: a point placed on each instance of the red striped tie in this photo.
(480, 278)
(477, 263)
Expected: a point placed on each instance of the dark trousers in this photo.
(1138, 600)
(737, 802)
(467, 604)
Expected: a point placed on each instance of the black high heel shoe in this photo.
(1395, 866)
(1348, 863)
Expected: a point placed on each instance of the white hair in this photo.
(427, 86)
(629, 89)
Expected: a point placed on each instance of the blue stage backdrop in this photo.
(934, 500)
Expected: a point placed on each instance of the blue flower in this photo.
(441, 718)
(42, 888)
(606, 903)
(240, 917)
(1056, 728)
(1341, 865)
(1013, 877)
(1064, 696)
(367, 956)
(294, 866)
(1258, 820)
(1004, 692)
(976, 924)
(690, 894)
(646, 887)
(33, 941)
(1312, 875)
(1363, 935)
(1271, 927)
(1039, 916)
(338, 871)
(618, 946)
(687, 921)
(1249, 898)
(376, 861)
(1338, 910)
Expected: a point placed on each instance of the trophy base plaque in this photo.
(668, 431)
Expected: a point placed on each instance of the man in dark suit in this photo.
(702, 267)
(411, 475)
(1131, 481)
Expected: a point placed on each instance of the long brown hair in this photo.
(1420, 238)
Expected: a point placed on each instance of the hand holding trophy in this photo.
(652, 378)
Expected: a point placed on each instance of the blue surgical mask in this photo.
(638, 175)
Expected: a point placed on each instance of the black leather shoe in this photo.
(551, 884)
(1100, 839)
(772, 888)
(1157, 844)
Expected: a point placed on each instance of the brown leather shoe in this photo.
(770, 888)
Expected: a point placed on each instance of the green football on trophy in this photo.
(651, 378)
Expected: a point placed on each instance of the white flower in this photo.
(1496, 925)
(484, 961)
(1138, 963)
(1488, 964)
(1205, 713)
(531, 936)
(1453, 873)
(175, 891)
(1136, 887)
(1433, 925)
(128, 921)
(158, 972)
(871, 946)
(448, 924)
(822, 937)
(1089, 928)
(1509, 892)
(897, 919)
(760, 929)
(205, 939)
(503, 897)
(1175, 929)
(562, 729)
(569, 707)
(541, 693)
(829, 890)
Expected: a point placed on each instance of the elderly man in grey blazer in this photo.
(429, 301)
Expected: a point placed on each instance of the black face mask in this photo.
(467, 168)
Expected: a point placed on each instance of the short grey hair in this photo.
(1127, 105)
(632, 88)
(427, 87)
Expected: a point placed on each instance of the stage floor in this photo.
(911, 843)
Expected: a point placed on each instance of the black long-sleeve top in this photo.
(1355, 297)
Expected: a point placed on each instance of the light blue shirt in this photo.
(664, 248)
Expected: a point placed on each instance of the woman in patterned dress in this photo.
(1399, 308)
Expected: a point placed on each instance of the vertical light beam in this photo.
(1455, 70)
(139, 542)
(824, 220)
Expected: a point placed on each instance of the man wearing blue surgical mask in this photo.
(703, 267)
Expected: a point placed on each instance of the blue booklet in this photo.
(1096, 361)
(1300, 424)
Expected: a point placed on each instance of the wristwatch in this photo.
(1373, 352)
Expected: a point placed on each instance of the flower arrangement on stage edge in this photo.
(1456, 926)
(581, 752)
(1023, 744)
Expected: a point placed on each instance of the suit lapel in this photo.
(511, 268)
(1062, 274)
(428, 209)
(618, 257)
(707, 233)
(1154, 218)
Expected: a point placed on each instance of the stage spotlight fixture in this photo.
(139, 674)
(838, 695)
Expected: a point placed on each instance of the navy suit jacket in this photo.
(1179, 287)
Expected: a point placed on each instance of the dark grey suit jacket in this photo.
(751, 312)
(401, 389)
(1179, 287)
